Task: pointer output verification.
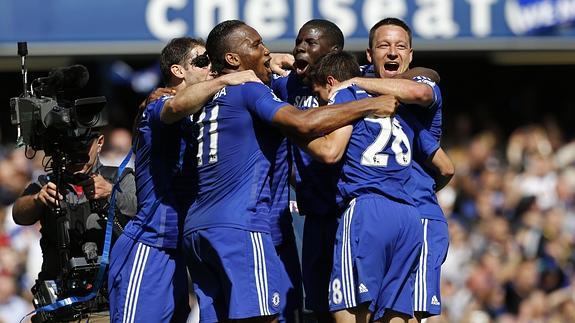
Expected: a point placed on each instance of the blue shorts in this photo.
(236, 274)
(427, 280)
(317, 260)
(377, 250)
(287, 251)
(147, 284)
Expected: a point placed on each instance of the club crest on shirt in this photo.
(276, 299)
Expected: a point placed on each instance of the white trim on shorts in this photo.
(136, 275)
(260, 272)
(347, 279)
(420, 290)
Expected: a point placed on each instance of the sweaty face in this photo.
(194, 74)
(254, 55)
(390, 52)
(310, 45)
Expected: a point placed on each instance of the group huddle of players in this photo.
(214, 163)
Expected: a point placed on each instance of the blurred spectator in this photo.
(117, 145)
(12, 306)
(512, 228)
(15, 173)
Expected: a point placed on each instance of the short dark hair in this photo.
(389, 21)
(341, 65)
(217, 44)
(176, 52)
(330, 31)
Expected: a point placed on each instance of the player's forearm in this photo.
(190, 100)
(26, 210)
(323, 149)
(444, 169)
(406, 91)
(318, 121)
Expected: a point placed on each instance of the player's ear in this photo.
(331, 81)
(233, 59)
(177, 70)
(368, 55)
(410, 55)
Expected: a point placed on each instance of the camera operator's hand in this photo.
(47, 195)
(97, 187)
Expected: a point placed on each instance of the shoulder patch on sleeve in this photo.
(423, 79)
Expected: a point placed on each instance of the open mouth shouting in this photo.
(391, 68)
(301, 66)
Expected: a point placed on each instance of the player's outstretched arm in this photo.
(319, 121)
(191, 99)
(406, 91)
(444, 168)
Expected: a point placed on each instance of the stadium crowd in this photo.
(511, 212)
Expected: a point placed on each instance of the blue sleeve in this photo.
(367, 70)
(279, 86)
(437, 100)
(153, 111)
(261, 100)
(343, 96)
(424, 143)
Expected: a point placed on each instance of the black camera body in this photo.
(78, 282)
(43, 120)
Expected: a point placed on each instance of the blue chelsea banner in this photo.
(59, 27)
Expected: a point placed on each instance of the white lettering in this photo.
(267, 16)
(522, 19)
(481, 17)
(434, 18)
(512, 17)
(375, 10)
(157, 19)
(305, 101)
(339, 12)
(221, 92)
(565, 10)
(207, 14)
(303, 12)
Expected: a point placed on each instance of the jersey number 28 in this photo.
(372, 156)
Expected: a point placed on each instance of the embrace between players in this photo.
(214, 161)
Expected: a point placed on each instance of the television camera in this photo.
(49, 119)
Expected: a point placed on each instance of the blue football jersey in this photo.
(378, 159)
(429, 117)
(316, 183)
(234, 159)
(422, 184)
(160, 153)
(280, 216)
